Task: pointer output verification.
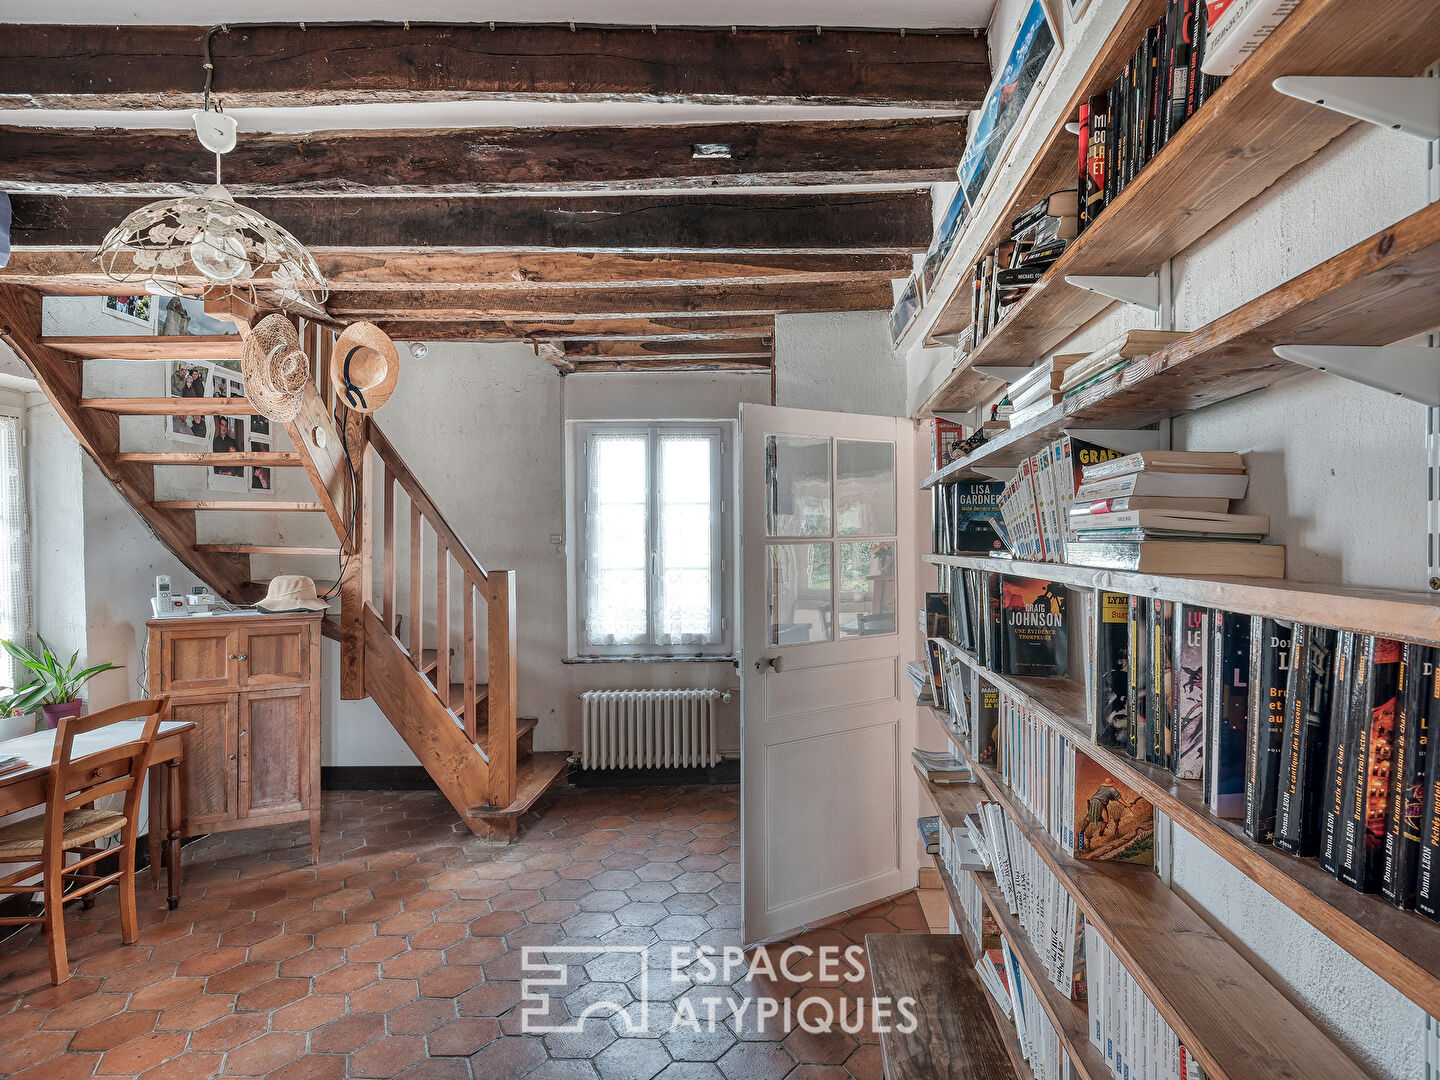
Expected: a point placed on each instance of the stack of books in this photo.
(1167, 512)
(1037, 238)
(920, 678)
(1112, 357)
(940, 767)
(12, 764)
(1039, 388)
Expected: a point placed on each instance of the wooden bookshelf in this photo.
(954, 1037)
(1240, 142)
(952, 896)
(1228, 1016)
(1071, 1018)
(1398, 613)
(1403, 948)
(1382, 290)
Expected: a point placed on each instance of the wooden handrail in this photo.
(396, 467)
(496, 588)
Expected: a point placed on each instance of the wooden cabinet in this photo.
(251, 686)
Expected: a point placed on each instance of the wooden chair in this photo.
(71, 824)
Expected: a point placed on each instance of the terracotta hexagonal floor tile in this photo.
(264, 1055)
(474, 951)
(388, 1057)
(271, 995)
(692, 1070)
(311, 962)
(632, 1059)
(139, 1054)
(421, 1017)
(819, 1072)
(552, 911)
(685, 1043)
(186, 1067)
(497, 923)
(111, 1032)
(72, 1066)
(312, 1067)
(756, 1061)
(589, 924)
(819, 1048)
(865, 1063)
(463, 1037)
(85, 1011)
(564, 1069)
(594, 1036)
(508, 1056)
(228, 1032)
(491, 999)
(346, 979)
(241, 977)
(309, 1013)
(346, 1035)
(383, 996)
(33, 1048)
(452, 980)
(412, 964)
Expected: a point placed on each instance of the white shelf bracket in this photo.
(1073, 127)
(1004, 374)
(1137, 291)
(1408, 105)
(1409, 371)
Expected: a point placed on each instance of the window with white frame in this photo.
(651, 538)
(14, 540)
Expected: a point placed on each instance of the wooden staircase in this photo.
(435, 649)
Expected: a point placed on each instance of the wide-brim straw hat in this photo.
(364, 367)
(275, 368)
(292, 592)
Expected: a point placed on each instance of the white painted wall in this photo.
(1338, 467)
(840, 362)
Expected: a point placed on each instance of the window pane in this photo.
(797, 486)
(866, 592)
(684, 602)
(864, 488)
(798, 593)
(616, 593)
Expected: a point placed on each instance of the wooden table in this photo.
(25, 788)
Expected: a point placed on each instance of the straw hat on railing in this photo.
(275, 369)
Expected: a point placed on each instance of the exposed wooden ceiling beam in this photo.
(749, 348)
(156, 164)
(887, 221)
(623, 302)
(361, 269)
(596, 367)
(156, 66)
(538, 328)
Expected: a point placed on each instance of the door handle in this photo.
(244, 731)
(243, 656)
(777, 663)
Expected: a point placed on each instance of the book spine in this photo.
(1161, 80)
(1373, 767)
(1407, 788)
(1427, 873)
(1336, 755)
(1288, 818)
(1192, 640)
(1161, 682)
(1357, 738)
(1270, 645)
(1082, 206)
(1233, 658)
(1112, 141)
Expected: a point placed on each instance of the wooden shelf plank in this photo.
(1250, 1030)
(278, 459)
(241, 504)
(954, 1037)
(1245, 138)
(267, 549)
(1403, 948)
(171, 406)
(1384, 289)
(1398, 613)
(158, 347)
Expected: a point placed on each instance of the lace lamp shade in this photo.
(166, 244)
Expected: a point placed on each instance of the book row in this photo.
(1015, 625)
(1160, 88)
(1126, 1027)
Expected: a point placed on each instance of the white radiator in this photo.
(648, 729)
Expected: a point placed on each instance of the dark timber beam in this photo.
(156, 164)
(539, 328)
(366, 269)
(596, 367)
(885, 221)
(624, 302)
(622, 350)
(146, 67)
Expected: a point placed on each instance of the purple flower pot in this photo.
(53, 713)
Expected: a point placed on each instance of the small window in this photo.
(651, 539)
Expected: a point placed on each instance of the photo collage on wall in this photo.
(223, 433)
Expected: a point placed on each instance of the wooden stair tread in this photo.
(275, 458)
(171, 406)
(240, 504)
(154, 347)
(957, 1034)
(266, 549)
(533, 777)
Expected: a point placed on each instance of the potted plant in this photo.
(56, 687)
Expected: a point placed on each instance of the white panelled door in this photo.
(828, 572)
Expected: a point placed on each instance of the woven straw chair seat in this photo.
(24, 839)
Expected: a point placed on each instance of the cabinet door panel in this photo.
(208, 769)
(274, 741)
(275, 656)
(198, 658)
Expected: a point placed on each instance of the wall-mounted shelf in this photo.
(1071, 1018)
(1400, 946)
(1249, 1030)
(1398, 613)
(1384, 289)
(1240, 142)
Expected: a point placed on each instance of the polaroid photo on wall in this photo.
(227, 438)
(188, 379)
(261, 478)
(260, 427)
(132, 309)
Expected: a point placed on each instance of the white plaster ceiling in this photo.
(914, 14)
